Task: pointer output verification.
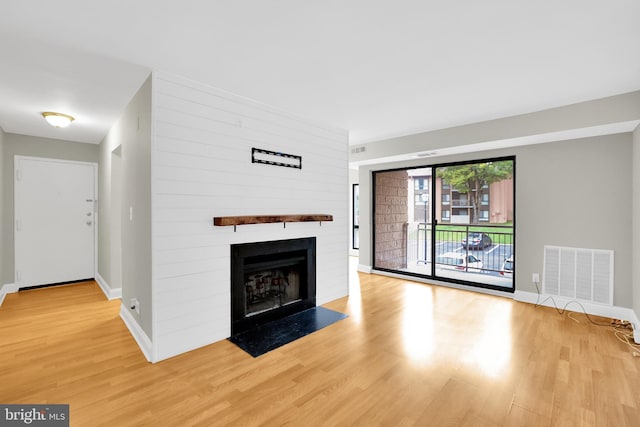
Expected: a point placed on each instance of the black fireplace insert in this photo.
(271, 280)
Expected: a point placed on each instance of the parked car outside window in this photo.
(457, 261)
(507, 267)
(476, 240)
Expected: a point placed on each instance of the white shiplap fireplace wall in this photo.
(201, 168)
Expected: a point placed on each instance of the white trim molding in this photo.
(110, 293)
(636, 327)
(365, 269)
(7, 288)
(611, 311)
(138, 334)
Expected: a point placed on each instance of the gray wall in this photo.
(33, 146)
(573, 193)
(599, 112)
(133, 133)
(635, 235)
(2, 248)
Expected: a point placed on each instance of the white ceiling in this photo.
(376, 68)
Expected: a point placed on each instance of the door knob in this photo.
(89, 223)
(88, 213)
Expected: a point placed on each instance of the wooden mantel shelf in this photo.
(268, 219)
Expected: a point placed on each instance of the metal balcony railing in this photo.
(490, 244)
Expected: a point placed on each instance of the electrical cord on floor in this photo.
(627, 338)
(563, 310)
(622, 330)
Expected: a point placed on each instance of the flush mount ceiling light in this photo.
(58, 120)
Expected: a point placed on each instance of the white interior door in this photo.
(55, 221)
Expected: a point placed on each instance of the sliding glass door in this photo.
(451, 222)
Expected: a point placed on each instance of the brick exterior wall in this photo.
(501, 201)
(391, 218)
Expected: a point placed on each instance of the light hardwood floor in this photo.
(409, 354)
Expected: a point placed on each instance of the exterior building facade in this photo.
(455, 207)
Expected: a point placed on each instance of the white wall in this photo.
(201, 168)
(571, 193)
(635, 235)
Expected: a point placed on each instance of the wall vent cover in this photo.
(582, 274)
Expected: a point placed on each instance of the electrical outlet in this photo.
(134, 305)
(535, 278)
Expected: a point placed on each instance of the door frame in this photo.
(94, 165)
(115, 214)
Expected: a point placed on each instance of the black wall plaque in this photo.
(275, 159)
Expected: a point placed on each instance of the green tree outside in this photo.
(472, 177)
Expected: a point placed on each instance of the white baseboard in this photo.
(636, 327)
(138, 334)
(611, 311)
(106, 289)
(364, 268)
(7, 288)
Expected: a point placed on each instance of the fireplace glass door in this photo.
(268, 286)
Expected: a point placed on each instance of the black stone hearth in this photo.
(273, 294)
(271, 335)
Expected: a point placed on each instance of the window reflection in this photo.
(417, 322)
(491, 351)
(355, 297)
